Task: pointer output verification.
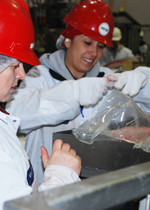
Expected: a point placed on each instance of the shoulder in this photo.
(37, 77)
(38, 72)
(127, 50)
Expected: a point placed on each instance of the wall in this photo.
(137, 9)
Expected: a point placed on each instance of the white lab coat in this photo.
(108, 56)
(15, 167)
(42, 110)
(14, 162)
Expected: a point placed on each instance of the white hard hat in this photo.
(141, 33)
(116, 34)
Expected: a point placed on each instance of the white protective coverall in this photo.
(17, 177)
(43, 110)
(109, 55)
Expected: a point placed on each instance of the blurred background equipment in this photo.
(132, 19)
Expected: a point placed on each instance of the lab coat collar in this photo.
(2, 110)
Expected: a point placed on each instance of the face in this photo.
(115, 43)
(9, 79)
(82, 54)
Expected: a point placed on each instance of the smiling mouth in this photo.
(88, 60)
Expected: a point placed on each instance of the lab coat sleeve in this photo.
(57, 176)
(36, 104)
(142, 99)
(12, 182)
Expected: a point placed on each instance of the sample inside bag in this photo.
(121, 119)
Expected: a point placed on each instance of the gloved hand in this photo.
(129, 81)
(88, 91)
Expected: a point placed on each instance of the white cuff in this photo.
(56, 176)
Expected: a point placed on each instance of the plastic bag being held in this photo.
(119, 119)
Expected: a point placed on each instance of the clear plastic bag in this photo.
(121, 119)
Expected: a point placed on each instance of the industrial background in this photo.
(131, 16)
(132, 183)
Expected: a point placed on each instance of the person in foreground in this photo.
(17, 175)
(69, 86)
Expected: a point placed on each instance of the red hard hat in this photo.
(17, 31)
(94, 19)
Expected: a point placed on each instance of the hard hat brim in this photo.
(28, 57)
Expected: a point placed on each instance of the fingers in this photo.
(57, 145)
(78, 158)
(125, 82)
(79, 166)
(62, 154)
(109, 82)
(131, 90)
(113, 77)
(73, 152)
(119, 80)
(105, 82)
(66, 147)
(130, 81)
(45, 156)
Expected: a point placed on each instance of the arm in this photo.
(36, 102)
(63, 167)
(38, 106)
(118, 63)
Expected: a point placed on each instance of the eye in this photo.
(101, 46)
(16, 66)
(88, 43)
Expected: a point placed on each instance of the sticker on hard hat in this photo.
(104, 29)
(31, 45)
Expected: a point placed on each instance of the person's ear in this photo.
(67, 42)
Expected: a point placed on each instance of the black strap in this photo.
(61, 78)
(56, 75)
(101, 74)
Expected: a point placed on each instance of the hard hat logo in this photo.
(104, 29)
(31, 45)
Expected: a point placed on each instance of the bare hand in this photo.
(63, 155)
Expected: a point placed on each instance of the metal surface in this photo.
(147, 203)
(98, 193)
(103, 155)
